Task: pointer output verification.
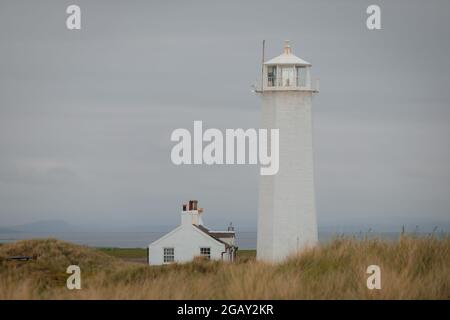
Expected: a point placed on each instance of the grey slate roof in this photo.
(214, 235)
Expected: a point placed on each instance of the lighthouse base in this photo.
(287, 216)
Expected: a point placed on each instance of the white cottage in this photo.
(192, 239)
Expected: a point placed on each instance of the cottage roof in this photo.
(215, 234)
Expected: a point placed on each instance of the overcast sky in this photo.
(86, 116)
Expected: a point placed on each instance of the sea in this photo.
(244, 239)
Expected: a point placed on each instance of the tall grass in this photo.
(411, 268)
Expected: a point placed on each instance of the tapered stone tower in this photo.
(287, 215)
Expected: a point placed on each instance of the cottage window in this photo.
(169, 255)
(205, 252)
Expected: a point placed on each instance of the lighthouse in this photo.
(287, 215)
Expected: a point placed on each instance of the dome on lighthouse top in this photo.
(287, 57)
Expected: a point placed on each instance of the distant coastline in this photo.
(245, 239)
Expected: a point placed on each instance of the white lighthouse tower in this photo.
(287, 215)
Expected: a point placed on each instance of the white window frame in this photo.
(206, 254)
(166, 255)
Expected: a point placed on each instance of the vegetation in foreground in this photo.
(411, 268)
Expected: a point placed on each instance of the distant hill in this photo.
(7, 230)
(44, 226)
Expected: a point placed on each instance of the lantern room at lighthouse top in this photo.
(287, 72)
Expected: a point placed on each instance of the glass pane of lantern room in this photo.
(301, 76)
(287, 76)
(271, 76)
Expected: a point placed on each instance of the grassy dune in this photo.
(412, 268)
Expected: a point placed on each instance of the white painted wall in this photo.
(230, 241)
(187, 241)
(287, 215)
